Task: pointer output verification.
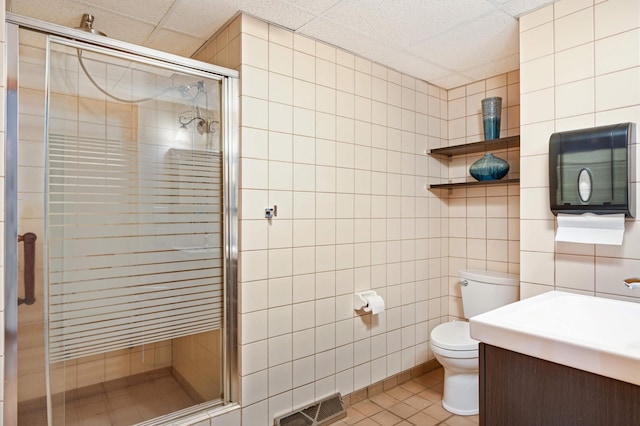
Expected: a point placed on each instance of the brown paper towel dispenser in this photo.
(590, 170)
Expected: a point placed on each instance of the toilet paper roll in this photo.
(591, 228)
(375, 304)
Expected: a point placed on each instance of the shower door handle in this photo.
(29, 248)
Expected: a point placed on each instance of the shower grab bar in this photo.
(29, 247)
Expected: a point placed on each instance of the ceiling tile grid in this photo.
(445, 42)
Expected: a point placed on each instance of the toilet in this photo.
(452, 344)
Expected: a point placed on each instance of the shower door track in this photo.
(230, 126)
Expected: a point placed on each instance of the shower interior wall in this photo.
(339, 144)
(201, 377)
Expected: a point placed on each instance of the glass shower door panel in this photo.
(134, 234)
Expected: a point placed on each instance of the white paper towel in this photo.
(589, 228)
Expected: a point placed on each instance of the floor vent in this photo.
(321, 413)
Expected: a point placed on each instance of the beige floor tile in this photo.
(367, 408)
(461, 421)
(412, 387)
(126, 412)
(367, 422)
(427, 380)
(117, 402)
(417, 402)
(340, 423)
(437, 374)
(414, 403)
(94, 409)
(353, 416)
(399, 393)
(431, 395)
(114, 403)
(101, 420)
(437, 411)
(384, 400)
(402, 410)
(386, 418)
(423, 419)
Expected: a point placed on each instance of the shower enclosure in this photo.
(121, 186)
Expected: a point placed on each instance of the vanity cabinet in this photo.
(471, 148)
(517, 389)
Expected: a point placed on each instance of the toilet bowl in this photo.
(451, 342)
(458, 353)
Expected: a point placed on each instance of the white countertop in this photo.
(589, 333)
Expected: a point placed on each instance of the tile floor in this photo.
(119, 402)
(416, 402)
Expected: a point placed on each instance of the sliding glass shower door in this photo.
(134, 244)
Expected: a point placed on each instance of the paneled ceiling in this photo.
(445, 42)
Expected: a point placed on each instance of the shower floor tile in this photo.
(116, 403)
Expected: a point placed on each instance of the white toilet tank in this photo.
(483, 291)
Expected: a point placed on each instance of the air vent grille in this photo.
(323, 412)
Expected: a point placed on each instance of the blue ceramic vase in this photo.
(489, 167)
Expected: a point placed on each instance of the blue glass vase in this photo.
(489, 167)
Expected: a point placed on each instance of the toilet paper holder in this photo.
(361, 302)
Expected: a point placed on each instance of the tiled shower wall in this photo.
(580, 67)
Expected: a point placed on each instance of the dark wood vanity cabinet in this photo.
(520, 390)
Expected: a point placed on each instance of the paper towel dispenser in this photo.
(590, 170)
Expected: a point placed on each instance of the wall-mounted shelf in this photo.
(471, 148)
(482, 146)
(474, 183)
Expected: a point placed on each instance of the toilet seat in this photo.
(454, 336)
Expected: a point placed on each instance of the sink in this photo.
(585, 332)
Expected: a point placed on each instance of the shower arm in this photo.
(114, 97)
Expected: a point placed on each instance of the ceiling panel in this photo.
(144, 10)
(405, 22)
(483, 40)
(445, 42)
(279, 12)
(198, 18)
(316, 7)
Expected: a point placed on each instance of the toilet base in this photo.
(459, 412)
(461, 393)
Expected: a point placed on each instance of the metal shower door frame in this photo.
(230, 134)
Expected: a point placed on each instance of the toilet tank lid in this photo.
(493, 277)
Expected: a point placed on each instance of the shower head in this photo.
(86, 24)
(185, 90)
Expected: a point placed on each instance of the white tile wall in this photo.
(594, 46)
(339, 144)
(483, 223)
